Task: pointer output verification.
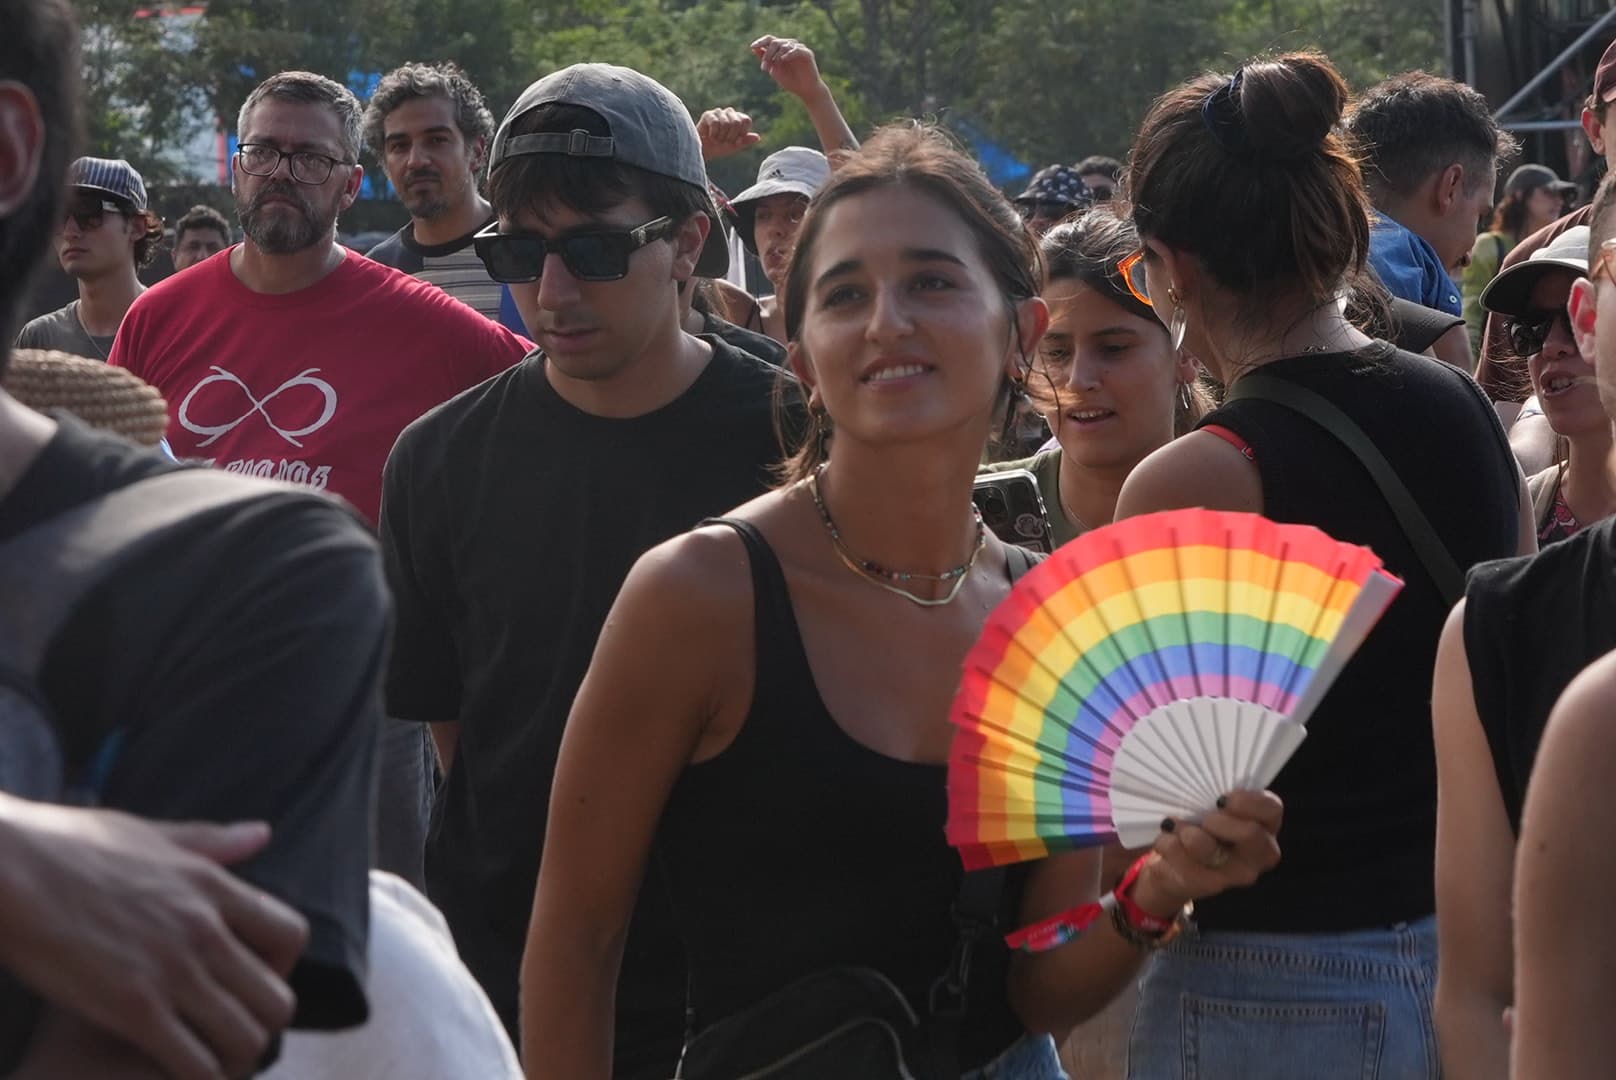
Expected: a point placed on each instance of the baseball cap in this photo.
(648, 127)
(795, 170)
(1510, 292)
(1527, 177)
(1605, 76)
(110, 176)
(1057, 184)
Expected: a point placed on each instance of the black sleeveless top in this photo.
(1531, 624)
(798, 848)
(1359, 836)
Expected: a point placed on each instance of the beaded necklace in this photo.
(887, 579)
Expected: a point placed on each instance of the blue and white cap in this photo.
(109, 176)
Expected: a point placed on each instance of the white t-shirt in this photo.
(429, 1020)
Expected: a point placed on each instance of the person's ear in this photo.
(1594, 128)
(1175, 270)
(1032, 322)
(1449, 185)
(22, 145)
(479, 154)
(1582, 306)
(1186, 368)
(687, 244)
(797, 360)
(350, 191)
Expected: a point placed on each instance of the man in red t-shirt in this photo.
(289, 356)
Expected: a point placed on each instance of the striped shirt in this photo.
(452, 267)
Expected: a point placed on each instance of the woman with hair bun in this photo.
(1253, 219)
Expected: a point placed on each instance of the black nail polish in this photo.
(1223, 802)
(1168, 824)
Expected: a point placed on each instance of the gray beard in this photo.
(280, 235)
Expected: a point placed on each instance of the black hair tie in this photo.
(1220, 112)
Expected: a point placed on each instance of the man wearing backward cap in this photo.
(512, 513)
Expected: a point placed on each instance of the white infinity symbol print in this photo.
(304, 379)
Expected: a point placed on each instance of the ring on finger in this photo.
(1219, 856)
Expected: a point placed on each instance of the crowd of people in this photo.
(549, 674)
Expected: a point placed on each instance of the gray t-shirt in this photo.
(63, 331)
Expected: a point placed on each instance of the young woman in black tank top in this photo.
(767, 708)
(1254, 221)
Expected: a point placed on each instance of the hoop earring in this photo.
(1184, 395)
(1177, 327)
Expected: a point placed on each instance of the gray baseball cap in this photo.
(1511, 291)
(648, 127)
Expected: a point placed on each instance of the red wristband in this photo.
(1056, 930)
(1138, 917)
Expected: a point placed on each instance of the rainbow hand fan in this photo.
(1145, 669)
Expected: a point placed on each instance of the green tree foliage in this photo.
(1051, 80)
(138, 86)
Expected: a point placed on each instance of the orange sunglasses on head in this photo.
(1132, 270)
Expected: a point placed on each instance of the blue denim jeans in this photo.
(1345, 1006)
(1032, 1057)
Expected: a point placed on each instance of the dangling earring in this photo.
(1184, 395)
(819, 418)
(1178, 325)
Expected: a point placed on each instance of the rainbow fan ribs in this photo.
(1145, 669)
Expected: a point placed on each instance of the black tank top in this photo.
(798, 848)
(1359, 836)
(1531, 624)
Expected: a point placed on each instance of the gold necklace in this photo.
(877, 574)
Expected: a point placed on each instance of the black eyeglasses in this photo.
(261, 159)
(88, 214)
(592, 255)
(1528, 333)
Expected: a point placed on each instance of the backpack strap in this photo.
(976, 921)
(1433, 553)
(975, 915)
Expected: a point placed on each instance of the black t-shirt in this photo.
(509, 520)
(1531, 624)
(232, 675)
(1359, 837)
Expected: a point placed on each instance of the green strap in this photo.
(1427, 544)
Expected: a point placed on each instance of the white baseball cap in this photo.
(795, 170)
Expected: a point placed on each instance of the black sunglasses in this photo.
(592, 255)
(1528, 333)
(89, 213)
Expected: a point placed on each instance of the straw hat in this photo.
(102, 396)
